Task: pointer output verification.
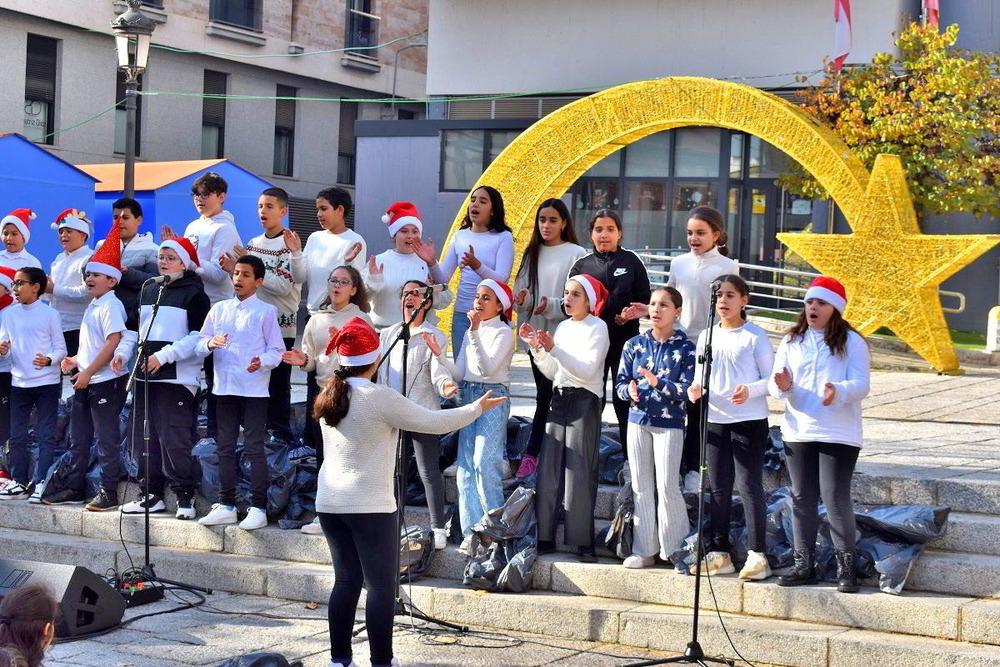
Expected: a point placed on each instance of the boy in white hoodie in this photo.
(66, 285)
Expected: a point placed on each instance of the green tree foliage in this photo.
(935, 106)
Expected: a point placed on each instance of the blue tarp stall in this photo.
(164, 191)
(31, 177)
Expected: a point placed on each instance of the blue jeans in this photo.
(459, 325)
(45, 401)
(482, 447)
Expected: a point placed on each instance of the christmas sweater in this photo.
(672, 362)
(284, 272)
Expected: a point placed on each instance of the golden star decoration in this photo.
(891, 271)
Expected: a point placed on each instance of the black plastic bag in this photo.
(505, 546)
(260, 660)
(518, 437)
(64, 470)
(207, 456)
(611, 459)
(617, 538)
(416, 551)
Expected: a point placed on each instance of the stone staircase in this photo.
(949, 614)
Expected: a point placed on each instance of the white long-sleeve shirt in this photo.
(577, 356)
(486, 354)
(812, 364)
(252, 327)
(494, 250)
(33, 329)
(104, 316)
(324, 252)
(554, 263)
(18, 260)
(212, 238)
(69, 293)
(425, 376)
(316, 337)
(693, 275)
(284, 273)
(739, 356)
(384, 287)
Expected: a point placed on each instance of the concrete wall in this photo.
(979, 21)
(521, 46)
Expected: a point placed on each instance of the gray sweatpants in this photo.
(660, 519)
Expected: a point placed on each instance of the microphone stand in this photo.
(404, 608)
(694, 654)
(151, 593)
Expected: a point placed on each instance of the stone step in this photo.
(956, 573)
(971, 533)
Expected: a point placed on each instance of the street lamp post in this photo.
(395, 69)
(133, 32)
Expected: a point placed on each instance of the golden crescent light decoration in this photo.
(890, 270)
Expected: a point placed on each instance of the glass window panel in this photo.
(499, 140)
(758, 219)
(686, 197)
(733, 220)
(645, 214)
(463, 158)
(120, 121)
(210, 136)
(609, 166)
(766, 161)
(736, 156)
(36, 119)
(650, 156)
(283, 152)
(697, 152)
(594, 194)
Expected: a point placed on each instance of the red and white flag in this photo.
(932, 13)
(842, 32)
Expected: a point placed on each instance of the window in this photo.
(345, 153)
(242, 13)
(362, 27)
(213, 116)
(158, 4)
(465, 154)
(649, 157)
(120, 115)
(284, 131)
(40, 89)
(698, 152)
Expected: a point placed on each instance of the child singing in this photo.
(655, 372)
(567, 464)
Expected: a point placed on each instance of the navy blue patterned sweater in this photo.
(673, 364)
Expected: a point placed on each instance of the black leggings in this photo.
(543, 399)
(736, 455)
(426, 451)
(363, 548)
(611, 363)
(691, 455)
(822, 469)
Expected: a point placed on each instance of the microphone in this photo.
(436, 288)
(716, 286)
(167, 278)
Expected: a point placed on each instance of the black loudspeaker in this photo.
(87, 603)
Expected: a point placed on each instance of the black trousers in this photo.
(95, 412)
(72, 340)
(543, 399)
(736, 455)
(45, 402)
(211, 416)
(822, 469)
(312, 435)
(279, 408)
(4, 409)
(691, 455)
(611, 363)
(427, 452)
(567, 467)
(363, 549)
(172, 412)
(251, 413)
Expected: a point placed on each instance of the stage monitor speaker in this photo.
(87, 603)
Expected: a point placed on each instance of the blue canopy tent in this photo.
(32, 177)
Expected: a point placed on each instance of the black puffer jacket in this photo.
(176, 328)
(625, 277)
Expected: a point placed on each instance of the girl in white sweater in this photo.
(692, 275)
(737, 427)
(573, 360)
(538, 292)
(427, 382)
(822, 371)
(354, 492)
(482, 365)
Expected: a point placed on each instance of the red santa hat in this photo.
(108, 258)
(597, 293)
(399, 215)
(20, 218)
(7, 277)
(504, 294)
(72, 218)
(184, 249)
(829, 290)
(356, 343)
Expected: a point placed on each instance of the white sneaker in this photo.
(638, 562)
(337, 664)
(467, 546)
(221, 515)
(13, 490)
(138, 506)
(255, 518)
(715, 562)
(440, 538)
(313, 528)
(185, 509)
(756, 568)
(692, 481)
(36, 496)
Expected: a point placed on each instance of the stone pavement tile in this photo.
(103, 656)
(164, 530)
(66, 520)
(981, 622)
(880, 649)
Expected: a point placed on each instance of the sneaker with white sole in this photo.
(185, 508)
(36, 495)
(13, 490)
(756, 568)
(138, 506)
(468, 546)
(692, 482)
(313, 528)
(255, 518)
(715, 562)
(440, 538)
(638, 562)
(221, 515)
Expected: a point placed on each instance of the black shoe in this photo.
(847, 578)
(185, 507)
(103, 501)
(546, 547)
(803, 571)
(586, 555)
(64, 497)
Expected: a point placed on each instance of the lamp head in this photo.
(133, 32)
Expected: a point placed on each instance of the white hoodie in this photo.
(212, 238)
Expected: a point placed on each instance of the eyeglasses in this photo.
(340, 282)
(201, 195)
(22, 283)
(413, 292)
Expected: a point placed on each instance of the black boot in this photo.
(847, 578)
(803, 571)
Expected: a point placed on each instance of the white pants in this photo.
(661, 520)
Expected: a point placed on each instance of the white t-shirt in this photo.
(324, 252)
(104, 316)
